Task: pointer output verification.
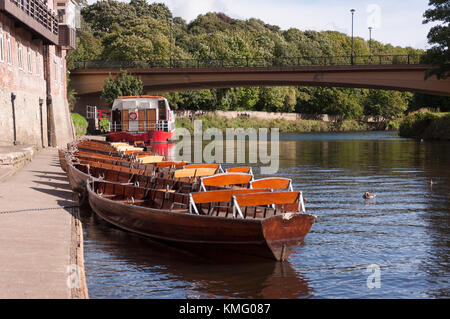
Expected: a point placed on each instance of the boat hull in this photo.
(275, 237)
(77, 179)
(62, 160)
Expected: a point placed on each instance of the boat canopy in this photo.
(140, 103)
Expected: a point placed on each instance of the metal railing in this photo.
(253, 62)
(141, 125)
(38, 10)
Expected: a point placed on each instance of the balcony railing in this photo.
(38, 10)
(141, 125)
(35, 15)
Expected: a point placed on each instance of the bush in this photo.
(80, 124)
(415, 124)
(439, 128)
(104, 125)
(393, 125)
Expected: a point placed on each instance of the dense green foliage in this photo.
(299, 126)
(104, 124)
(439, 37)
(426, 125)
(80, 124)
(120, 31)
(123, 84)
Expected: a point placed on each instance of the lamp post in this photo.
(370, 41)
(351, 57)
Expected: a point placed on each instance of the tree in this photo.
(388, 104)
(137, 40)
(277, 99)
(439, 37)
(430, 102)
(154, 10)
(123, 84)
(196, 99)
(88, 48)
(247, 97)
(336, 101)
(102, 14)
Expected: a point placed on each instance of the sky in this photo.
(397, 22)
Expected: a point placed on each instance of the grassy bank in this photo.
(426, 125)
(300, 126)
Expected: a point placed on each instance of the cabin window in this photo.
(162, 110)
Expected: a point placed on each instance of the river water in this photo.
(394, 246)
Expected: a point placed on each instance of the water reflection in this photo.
(161, 267)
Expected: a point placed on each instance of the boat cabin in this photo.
(141, 113)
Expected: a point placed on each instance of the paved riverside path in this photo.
(35, 230)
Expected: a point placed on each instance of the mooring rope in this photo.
(37, 209)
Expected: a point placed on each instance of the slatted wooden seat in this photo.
(194, 172)
(123, 148)
(218, 167)
(222, 195)
(217, 196)
(170, 164)
(89, 154)
(150, 159)
(287, 201)
(272, 183)
(118, 144)
(160, 199)
(134, 150)
(139, 151)
(240, 169)
(226, 179)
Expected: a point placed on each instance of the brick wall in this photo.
(23, 75)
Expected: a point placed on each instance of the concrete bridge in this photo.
(402, 73)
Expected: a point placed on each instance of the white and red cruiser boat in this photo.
(142, 118)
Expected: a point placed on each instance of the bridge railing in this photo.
(253, 62)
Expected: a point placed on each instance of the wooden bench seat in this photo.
(272, 183)
(240, 169)
(289, 201)
(226, 179)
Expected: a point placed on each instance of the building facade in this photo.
(34, 38)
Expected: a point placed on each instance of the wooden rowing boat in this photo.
(80, 173)
(62, 159)
(263, 231)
